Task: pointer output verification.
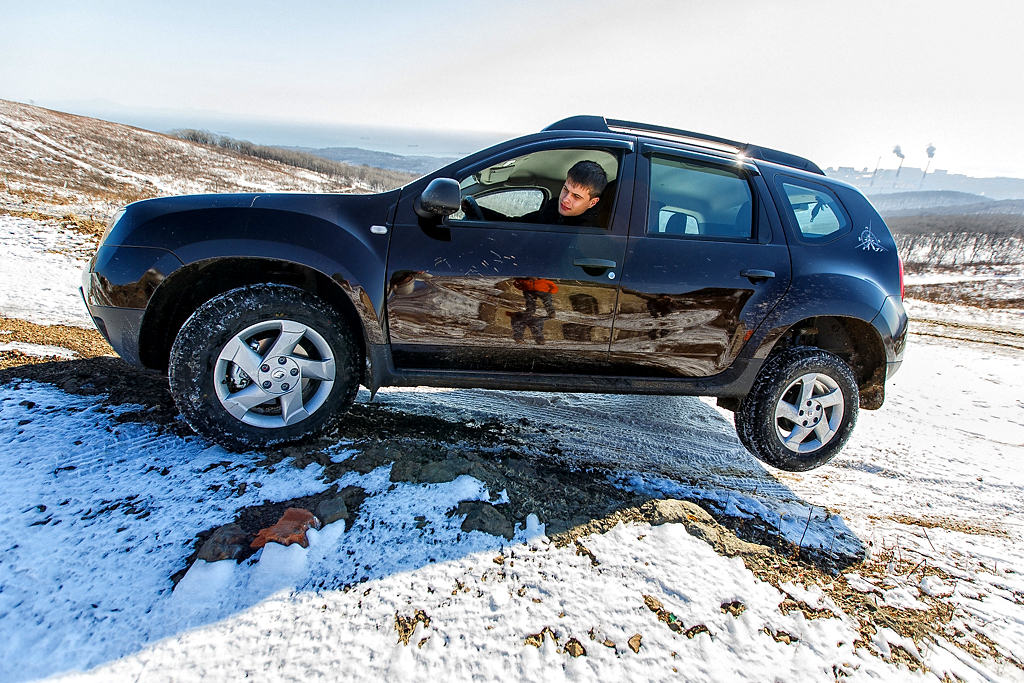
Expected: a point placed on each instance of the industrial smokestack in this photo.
(930, 151)
(898, 151)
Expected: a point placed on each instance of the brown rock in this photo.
(291, 528)
(653, 603)
(228, 542)
(634, 643)
(406, 626)
(699, 524)
(696, 630)
(781, 636)
(537, 639)
(575, 648)
(734, 608)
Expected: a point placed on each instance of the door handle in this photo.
(593, 263)
(755, 275)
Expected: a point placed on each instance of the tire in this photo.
(271, 342)
(801, 410)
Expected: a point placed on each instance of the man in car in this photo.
(577, 202)
(575, 205)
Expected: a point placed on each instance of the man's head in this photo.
(583, 186)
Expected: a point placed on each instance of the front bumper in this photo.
(119, 326)
(117, 287)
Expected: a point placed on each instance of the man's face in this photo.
(575, 199)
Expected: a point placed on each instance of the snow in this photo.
(99, 513)
(288, 614)
(971, 316)
(38, 283)
(38, 350)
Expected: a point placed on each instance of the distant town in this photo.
(908, 179)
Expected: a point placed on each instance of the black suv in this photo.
(706, 267)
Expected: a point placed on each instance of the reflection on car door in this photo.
(687, 307)
(502, 296)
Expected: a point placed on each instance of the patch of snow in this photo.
(859, 583)
(935, 587)
(37, 283)
(38, 350)
(997, 318)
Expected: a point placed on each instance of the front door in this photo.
(492, 288)
(703, 268)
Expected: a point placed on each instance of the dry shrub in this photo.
(376, 179)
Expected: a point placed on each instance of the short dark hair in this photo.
(590, 175)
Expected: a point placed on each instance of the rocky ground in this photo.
(525, 466)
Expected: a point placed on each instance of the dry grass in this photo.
(90, 167)
(85, 343)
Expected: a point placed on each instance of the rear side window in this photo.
(699, 200)
(817, 213)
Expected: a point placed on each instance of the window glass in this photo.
(817, 213)
(526, 189)
(691, 198)
(513, 203)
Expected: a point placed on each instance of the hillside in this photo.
(56, 164)
(365, 157)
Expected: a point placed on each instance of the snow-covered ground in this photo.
(99, 512)
(39, 276)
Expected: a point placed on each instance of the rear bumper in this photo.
(892, 324)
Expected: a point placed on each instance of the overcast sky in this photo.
(839, 81)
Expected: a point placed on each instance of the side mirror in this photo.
(441, 198)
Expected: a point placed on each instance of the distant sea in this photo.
(403, 141)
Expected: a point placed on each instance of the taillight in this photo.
(900, 259)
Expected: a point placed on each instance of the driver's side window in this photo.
(514, 203)
(529, 189)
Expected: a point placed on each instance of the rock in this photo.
(482, 516)
(332, 509)
(537, 639)
(695, 630)
(291, 528)
(555, 526)
(699, 524)
(653, 603)
(436, 471)
(634, 643)
(655, 606)
(734, 608)
(406, 626)
(575, 648)
(522, 468)
(228, 542)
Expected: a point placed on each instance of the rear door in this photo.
(704, 265)
(505, 295)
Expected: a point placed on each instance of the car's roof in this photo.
(708, 143)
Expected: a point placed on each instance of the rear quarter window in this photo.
(815, 211)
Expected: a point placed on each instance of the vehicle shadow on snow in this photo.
(422, 473)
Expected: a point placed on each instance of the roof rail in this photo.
(600, 124)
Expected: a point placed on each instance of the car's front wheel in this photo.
(263, 365)
(800, 411)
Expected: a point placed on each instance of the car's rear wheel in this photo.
(263, 365)
(800, 411)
